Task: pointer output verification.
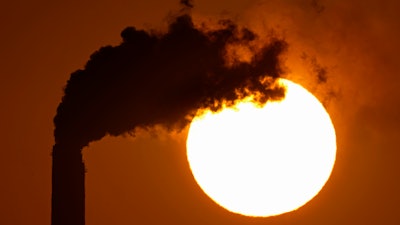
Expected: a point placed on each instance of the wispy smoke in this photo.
(163, 79)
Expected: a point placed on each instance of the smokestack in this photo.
(68, 186)
(152, 79)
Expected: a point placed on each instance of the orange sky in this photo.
(146, 180)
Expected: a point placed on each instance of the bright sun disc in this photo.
(264, 161)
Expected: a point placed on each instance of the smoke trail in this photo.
(161, 79)
(153, 79)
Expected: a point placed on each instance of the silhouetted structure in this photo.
(68, 194)
(151, 79)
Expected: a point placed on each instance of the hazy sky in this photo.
(146, 180)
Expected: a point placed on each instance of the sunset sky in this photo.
(146, 179)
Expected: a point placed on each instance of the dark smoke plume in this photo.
(160, 79)
(152, 79)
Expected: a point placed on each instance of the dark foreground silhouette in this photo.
(151, 79)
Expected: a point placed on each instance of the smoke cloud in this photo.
(153, 78)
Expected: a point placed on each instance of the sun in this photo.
(264, 161)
